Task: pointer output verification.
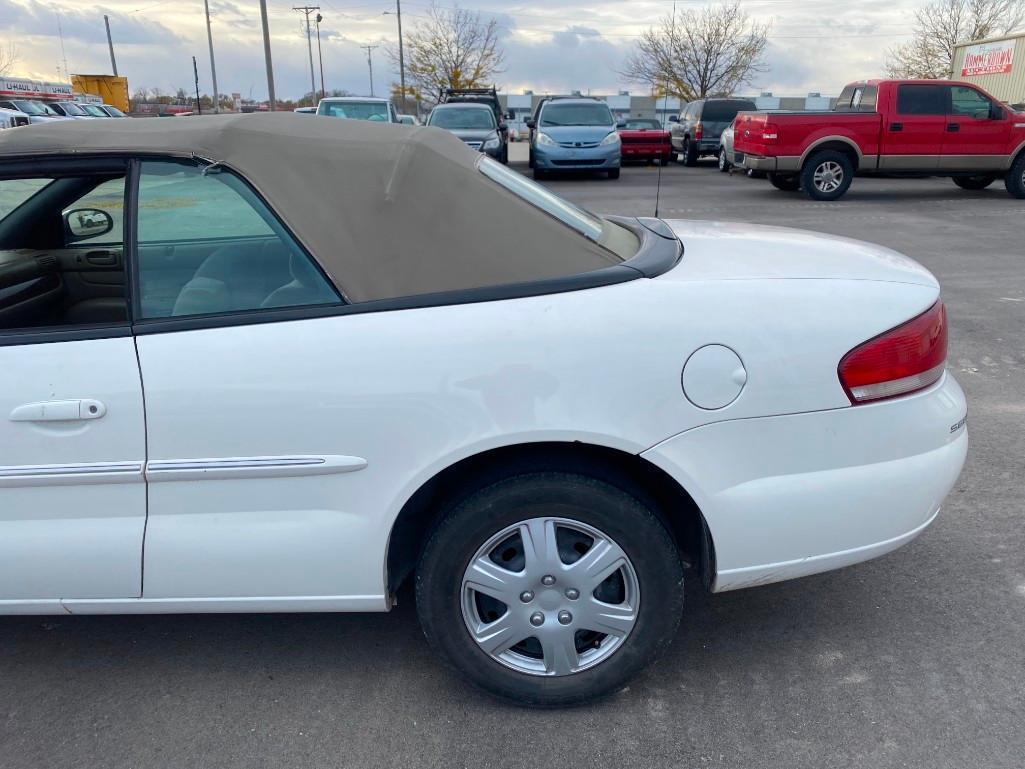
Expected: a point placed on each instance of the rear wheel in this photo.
(785, 182)
(550, 588)
(980, 182)
(690, 153)
(614, 173)
(1015, 179)
(827, 175)
(724, 164)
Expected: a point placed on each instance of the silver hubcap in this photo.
(828, 176)
(583, 596)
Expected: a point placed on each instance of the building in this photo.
(626, 105)
(997, 65)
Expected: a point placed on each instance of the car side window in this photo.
(968, 102)
(921, 100)
(61, 251)
(207, 244)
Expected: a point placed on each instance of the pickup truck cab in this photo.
(934, 127)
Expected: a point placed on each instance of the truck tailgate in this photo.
(790, 134)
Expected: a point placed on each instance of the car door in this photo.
(250, 478)
(72, 434)
(914, 132)
(977, 132)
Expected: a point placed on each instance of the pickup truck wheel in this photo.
(690, 153)
(785, 182)
(724, 164)
(550, 589)
(827, 175)
(1015, 179)
(980, 182)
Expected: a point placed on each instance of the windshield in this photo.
(355, 110)
(725, 111)
(95, 111)
(580, 220)
(34, 108)
(634, 125)
(463, 118)
(555, 114)
(113, 111)
(70, 108)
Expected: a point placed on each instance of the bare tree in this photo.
(699, 52)
(941, 24)
(8, 58)
(450, 48)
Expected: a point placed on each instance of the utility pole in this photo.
(213, 67)
(195, 72)
(110, 45)
(64, 56)
(320, 57)
(308, 9)
(266, 54)
(370, 64)
(402, 57)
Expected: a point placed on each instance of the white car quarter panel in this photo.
(72, 496)
(413, 391)
(791, 495)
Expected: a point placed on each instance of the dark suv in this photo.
(697, 130)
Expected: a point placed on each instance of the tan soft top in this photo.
(388, 210)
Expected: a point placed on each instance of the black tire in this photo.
(724, 164)
(614, 173)
(835, 167)
(504, 160)
(538, 173)
(663, 161)
(980, 182)
(785, 182)
(530, 158)
(616, 514)
(1015, 178)
(690, 153)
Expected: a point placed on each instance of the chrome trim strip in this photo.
(250, 467)
(89, 472)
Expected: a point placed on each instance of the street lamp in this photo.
(402, 60)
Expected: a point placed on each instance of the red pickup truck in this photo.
(934, 127)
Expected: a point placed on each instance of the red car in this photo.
(644, 139)
(933, 127)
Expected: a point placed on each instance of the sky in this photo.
(554, 46)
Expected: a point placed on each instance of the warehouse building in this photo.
(997, 65)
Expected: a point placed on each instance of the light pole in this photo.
(370, 64)
(110, 45)
(266, 54)
(213, 68)
(402, 58)
(320, 58)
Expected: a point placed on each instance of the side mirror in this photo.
(530, 122)
(82, 223)
(996, 113)
(674, 118)
(503, 127)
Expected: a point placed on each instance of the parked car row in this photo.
(44, 112)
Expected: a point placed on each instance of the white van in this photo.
(359, 108)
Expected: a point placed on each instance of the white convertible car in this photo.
(264, 363)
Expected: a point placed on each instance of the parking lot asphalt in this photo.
(916, 659)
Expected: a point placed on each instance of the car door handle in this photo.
(953, 127)
(59, 411)
(896, 127)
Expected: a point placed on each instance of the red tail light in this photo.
(770, 132)
(907, 358)
(698, 128)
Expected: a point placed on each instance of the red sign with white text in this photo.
(988, 59)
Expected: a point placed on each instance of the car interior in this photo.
(62, 256)
(61, 265)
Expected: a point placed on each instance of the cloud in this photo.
(572, 36)
(35, 19)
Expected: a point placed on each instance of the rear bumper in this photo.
(630, 151)
(793, 495)
(576, 158)
(783, 164)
